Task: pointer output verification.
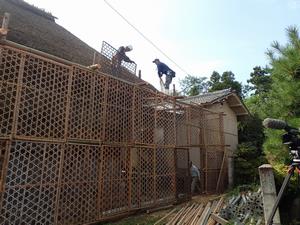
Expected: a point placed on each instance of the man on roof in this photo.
(164, 69)
(119, 57)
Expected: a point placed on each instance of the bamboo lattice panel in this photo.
(42, 105)
(9, 70)
(78, 146)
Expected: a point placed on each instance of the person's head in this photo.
(128, 48)
(156, 61)
(191, 163)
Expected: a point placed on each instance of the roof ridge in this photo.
(209, 93)
(32, 8)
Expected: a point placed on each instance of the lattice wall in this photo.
(79, 146)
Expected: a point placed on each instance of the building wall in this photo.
(230, 133)
(230, 124)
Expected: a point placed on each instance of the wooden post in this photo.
(4, 27)
(94, 58)
(221, 171)
(267, 184)
(230, 158)
(174, 90)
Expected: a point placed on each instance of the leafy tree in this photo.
(260, 80)
(284, 97)
(193, 85)
(247, 160)
(227, 80)
(281, 98)
(249, 155)
(261, 85)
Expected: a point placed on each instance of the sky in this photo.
(200, 36)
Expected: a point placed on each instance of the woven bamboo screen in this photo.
(79, 146)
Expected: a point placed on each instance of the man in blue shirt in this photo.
(164, 69)
(195, 175)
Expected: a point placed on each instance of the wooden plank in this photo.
(205, 212)
(205, 220)
(178, 214)
(163, 218)
(216, 210)
(218, 219)
(198, 214)
(183, 217)
(191, 215)
(221, 171)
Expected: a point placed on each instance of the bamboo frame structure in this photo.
(79, 146)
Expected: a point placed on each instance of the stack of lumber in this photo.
(245, 208)
(196, 214)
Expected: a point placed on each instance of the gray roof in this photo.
(232, 99)
(209, 97)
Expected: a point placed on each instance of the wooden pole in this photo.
(219, 219)
(94, 59)
(174, 90)
(163, 218)
(221, 170)
(4, 28)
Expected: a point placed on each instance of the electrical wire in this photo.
(144, 36)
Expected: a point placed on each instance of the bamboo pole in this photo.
(4, 28)
(166, 216)
(221, 170)
(175, 218)
(198, 214)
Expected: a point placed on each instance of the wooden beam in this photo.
(237, 105)
(218, 219)
(4, 27)
(5, 20)
(163, 218)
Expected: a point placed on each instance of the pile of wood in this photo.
(245, 208)
(196, 214)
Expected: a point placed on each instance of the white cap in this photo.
(129, 47)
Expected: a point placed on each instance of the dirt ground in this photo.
(151, 218)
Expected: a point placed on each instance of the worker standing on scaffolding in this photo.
(119, 57)
(164, 69)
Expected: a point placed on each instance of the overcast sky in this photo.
(199, 35)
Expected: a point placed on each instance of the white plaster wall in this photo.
(230, 124)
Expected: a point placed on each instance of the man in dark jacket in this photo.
(164, 69)
(119, 57)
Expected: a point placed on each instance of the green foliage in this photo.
(251, 130)
(260, 80)
(193, 85)
(247, 159)
(277, 95)
(249, 155)
(227, 80)
(284, 96)
(283, 99)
